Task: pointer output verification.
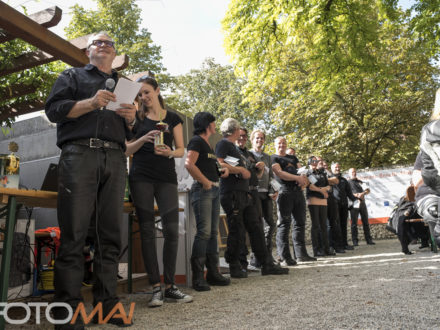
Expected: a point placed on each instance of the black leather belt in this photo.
(96, 143)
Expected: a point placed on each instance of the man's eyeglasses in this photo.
(244, 136)
(101, 43)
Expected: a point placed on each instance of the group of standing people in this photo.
(95, 142)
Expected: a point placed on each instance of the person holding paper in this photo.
(291, 205)
(92, 173)
(153, 177)
(235, 198)
(359, 208)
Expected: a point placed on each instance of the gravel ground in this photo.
(372, 287)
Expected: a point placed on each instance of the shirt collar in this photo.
(90, 67)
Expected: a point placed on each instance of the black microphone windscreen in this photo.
(110, 84)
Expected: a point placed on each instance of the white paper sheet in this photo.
(231, 160)
(126, 91)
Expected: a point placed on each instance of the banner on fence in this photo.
(387, 187)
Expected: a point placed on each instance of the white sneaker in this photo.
(157, 298)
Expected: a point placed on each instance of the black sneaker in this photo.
(173, 294)
(288, 262)
(236, 271)
(157, 298)
(271, 269)
(349, 247)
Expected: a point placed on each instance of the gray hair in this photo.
(100, 33)
(229, 126)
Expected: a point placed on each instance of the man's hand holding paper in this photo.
(125, 91)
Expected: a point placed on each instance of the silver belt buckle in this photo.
(94, 143)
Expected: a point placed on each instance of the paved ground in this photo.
(373, 287)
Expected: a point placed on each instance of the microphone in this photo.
(110, 84)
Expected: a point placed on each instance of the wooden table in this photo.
(46, 199)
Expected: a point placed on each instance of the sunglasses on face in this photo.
(102, 43)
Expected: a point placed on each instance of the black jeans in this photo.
(143, 194)
(267, 213)
(335, 233)
(318, 215)
(364, 218)
(343, 218)
(242, 215)
(91, 183)
(291, 203)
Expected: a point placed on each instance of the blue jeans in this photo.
(206, 206)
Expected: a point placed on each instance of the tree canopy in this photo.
(349, 80)
(213, 88)
(122, 20)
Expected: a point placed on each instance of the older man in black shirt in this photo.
(341, 192)
(359, 193)
(92, 171)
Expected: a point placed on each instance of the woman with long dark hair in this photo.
(153, 177)
(202, 164)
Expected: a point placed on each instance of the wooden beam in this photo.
(20, 109)
(48, 17)
(16, 90)
(31, 60)
(27, 61)
(25, 28)
(120, 62)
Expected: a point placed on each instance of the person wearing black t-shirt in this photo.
(334, 226)
(153, 177)
(359, 193)
(91, 176)
(290, 202)
(317, 194)
(342, 192)
(235, 198)
(202, 164)
(254, 209)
